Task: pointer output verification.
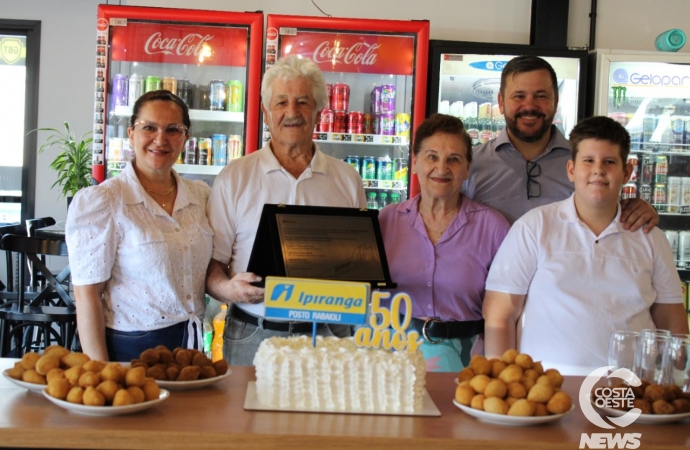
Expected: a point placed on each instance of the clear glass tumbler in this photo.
(622, 349)
(651, 358)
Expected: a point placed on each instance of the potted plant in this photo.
(73, 163)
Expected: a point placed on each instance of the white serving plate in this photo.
(33, 387)
(643, 418)
(511, 421)
(106, 410)
(188, 385)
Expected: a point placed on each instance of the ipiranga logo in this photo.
(610, 398)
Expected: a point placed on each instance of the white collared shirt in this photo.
(154, 264)
(246, 184)
(581, 287)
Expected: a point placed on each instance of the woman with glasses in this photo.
(440, 244)
(139, 243)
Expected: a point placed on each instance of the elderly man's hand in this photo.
(242, 291)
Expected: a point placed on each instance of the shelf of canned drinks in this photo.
(373, 139)
(199, 115)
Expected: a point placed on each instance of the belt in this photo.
(435, 330)
(289, 327)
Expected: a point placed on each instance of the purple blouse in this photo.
(446, 280)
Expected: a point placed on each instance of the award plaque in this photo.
(321, 243)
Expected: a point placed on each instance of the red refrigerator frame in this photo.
(419, 28)
(254, 22)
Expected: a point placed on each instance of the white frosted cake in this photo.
(337, 376)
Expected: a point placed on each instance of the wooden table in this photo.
(214, 418)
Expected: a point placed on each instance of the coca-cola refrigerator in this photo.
(211, 59)
(465, 78)
(376, 74)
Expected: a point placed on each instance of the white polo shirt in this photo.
(243, 187)
(581, 287)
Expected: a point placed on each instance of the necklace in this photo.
(435, 233)
(160, 193)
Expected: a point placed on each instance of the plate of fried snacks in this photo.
(107, 409)
(181, 369)
(513, 390)
(657, 403)
(33, 370)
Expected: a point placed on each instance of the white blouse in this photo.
(154, 264)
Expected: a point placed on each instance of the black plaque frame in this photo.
(267, 258)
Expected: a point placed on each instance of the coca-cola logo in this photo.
(271, 34)
(360, 53)
(186, 46)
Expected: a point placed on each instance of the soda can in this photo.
(329, 96)
(355, 124)
(660, 169)
(672, 237)
(326, 124)
(659, 197)
(648, 127)
(683, 249)
(384, 168)
(647, 169)
(387, 99)
(402, 125)
(673, 194)
(634, 161)
(387, 124)
(135, 89)
(645, 192)
(340, 100)
(152, 83)
(185, 92)
(339, 122)
(376, 124)
(235, 96)
(367, 124)
(217, 95)
(353, 161)
(120, 90)
(234, 146)
(376, 100)
(629, 191)
(368, 168)
(219, 143)
(205, 151)
(677, 130)
(685, 191)
(190, 151)
(400, 169)
(170, 84)
(686, 133)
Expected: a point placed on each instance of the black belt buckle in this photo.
(427, 323)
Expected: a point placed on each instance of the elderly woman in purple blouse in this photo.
(440, 245)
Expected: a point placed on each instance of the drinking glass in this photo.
(679, 361)
(622, 349)
(651, 359)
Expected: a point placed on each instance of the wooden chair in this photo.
(36, 312)
(11, 259)
(31, 226)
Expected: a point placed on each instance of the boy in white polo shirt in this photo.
(568, 273)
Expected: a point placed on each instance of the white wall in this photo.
(68, 42)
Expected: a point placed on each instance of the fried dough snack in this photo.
(179, 364)
(514, 384)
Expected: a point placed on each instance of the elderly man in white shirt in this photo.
(289, 169)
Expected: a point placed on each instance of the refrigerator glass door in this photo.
(371, 88)
(469, 86)
(204, 64)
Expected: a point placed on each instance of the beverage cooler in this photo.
(211, 59)
(649, 93)
(465, 77)
(376, 75)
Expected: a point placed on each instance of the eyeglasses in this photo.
(173, 132)
(533, 186)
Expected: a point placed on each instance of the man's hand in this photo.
(235, 290)
(636, 213)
